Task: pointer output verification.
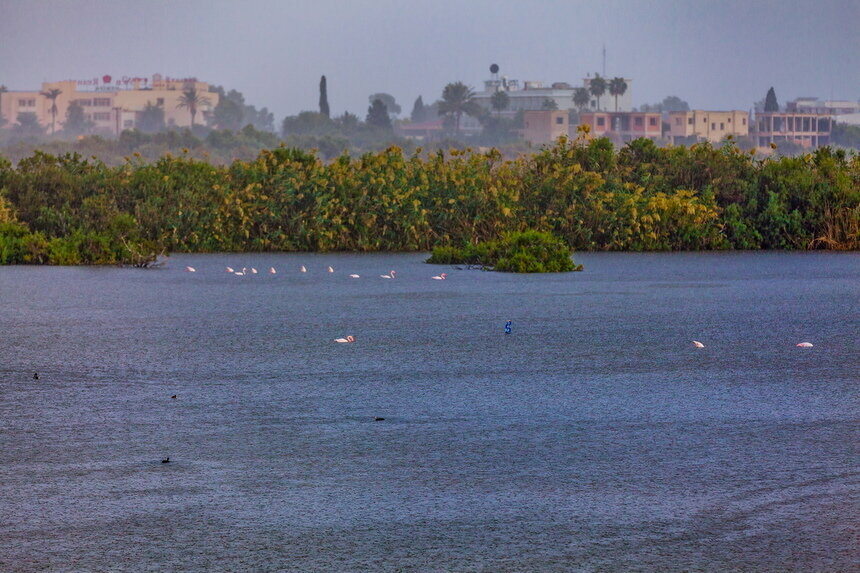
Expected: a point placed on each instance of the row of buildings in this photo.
(111, 104)
(802, 128)
(116, 104)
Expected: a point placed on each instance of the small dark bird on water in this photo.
(174, 396)
(166, 460)
(378, 419)
(35, 375)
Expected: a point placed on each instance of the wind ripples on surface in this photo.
(594, 437)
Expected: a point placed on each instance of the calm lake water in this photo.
(594, 437)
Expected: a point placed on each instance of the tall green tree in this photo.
(549, 104)
(500, 101)
(76, 120)
(377, 115)
(324, 109)
(419, 111)
(227, 114)
(597, 87)
(28, 125)
(151, 119)
(389, 101)
(191, 100)
(52, 95)
(458, 99)
(617, 87)
(3, 89)
(581, 98)
(770, 103)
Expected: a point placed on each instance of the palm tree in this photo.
(580, 98)
(52, 95)
(457, 99)
(189, 100)
(597, 87)
(500, 101)
(617, 87)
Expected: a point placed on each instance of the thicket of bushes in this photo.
(62, 209)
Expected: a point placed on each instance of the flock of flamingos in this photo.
(252, 271)
(390, 275)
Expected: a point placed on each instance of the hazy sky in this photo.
(714, 54)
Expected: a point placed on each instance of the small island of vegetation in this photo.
(525, 252)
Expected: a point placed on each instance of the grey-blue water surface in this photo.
(594, 437)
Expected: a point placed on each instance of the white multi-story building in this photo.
(534, 95)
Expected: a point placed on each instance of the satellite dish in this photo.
(494, 69)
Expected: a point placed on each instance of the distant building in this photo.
(823, 107)
(544, 126)
(713, 126)
(806, 129)
(623, 126)
(534, 96)
(113, 105)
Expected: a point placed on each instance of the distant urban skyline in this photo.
(714, 55)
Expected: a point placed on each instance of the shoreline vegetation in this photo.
(71, 210)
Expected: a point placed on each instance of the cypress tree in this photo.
(418, 114)
(770, 103)
(324, 110)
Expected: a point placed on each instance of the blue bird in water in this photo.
(508, 327)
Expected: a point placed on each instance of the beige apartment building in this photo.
(712, 126)
(544, 126)
(113, 105)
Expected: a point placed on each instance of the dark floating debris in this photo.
(173, 397)
(166, 460)
(35, 375)
(378, 419)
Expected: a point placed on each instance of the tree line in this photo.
(70, 209)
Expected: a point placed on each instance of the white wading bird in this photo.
(805, 345)
(230, 270)
(388, 276)
(331, 270)
(355, 276)
(441, 277)
(347, 339)
(272, 271)
(303, 269)
(190, 270)
(698, 344)
(253, 271)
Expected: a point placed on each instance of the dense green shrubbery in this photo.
(642, 197)
(525, 252)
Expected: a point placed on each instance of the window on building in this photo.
(743, 121)
(677, 121)
(730, 120)
(722, 125)
(159, 101)
(600, 121)
(101, 102)
(637, 121)
(103, 116)
(85, 102)
(652, 121)
(704, 120)
(713, 126)
(559, 120)
(27, 102)
(128, 123)
(690, 121)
